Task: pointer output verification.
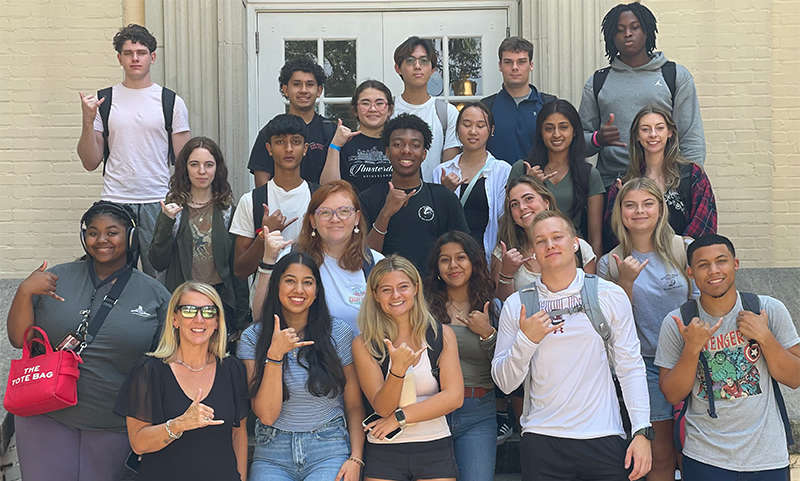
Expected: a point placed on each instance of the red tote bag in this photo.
(44, 383)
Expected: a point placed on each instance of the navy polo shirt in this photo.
(514, 125)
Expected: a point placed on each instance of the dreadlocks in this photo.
(646, 19)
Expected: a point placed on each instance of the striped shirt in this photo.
(303, 411)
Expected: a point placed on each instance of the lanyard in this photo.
(109, 301)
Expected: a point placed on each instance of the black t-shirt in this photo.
(413, 230)
(363, 163)
(151, 394)
(314, 160)
(476, 210)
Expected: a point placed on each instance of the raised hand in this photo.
(89, 105)
(343, 134)
(754, 326)
(275, 220)
(396, 199)
(452, 181)
(697, 334)
(478, 322)
(274, 243)
(284, 340)
(41, 283)
(198, 415)
(537, 172)
(537, 326)
(609, 134)
(402, 356)
(170, 210)
(511, 260)
(629, 269)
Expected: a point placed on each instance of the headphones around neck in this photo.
(124, 211)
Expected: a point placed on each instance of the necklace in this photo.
(197, 205)
(190, 367)
(460, 312)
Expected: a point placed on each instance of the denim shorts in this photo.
(288, 455)
(660, 408)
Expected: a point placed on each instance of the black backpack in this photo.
(259, 195)
(167, 107)
(668, 71)
(689, 311)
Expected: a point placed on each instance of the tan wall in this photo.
(51, 50)
(745, 56)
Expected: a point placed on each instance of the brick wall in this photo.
(51, 50)
(744, 58)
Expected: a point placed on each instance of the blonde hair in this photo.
(167, 349)
(553, 214)
(513, 235)
(375, 324)
(673, 160)
(663, 234)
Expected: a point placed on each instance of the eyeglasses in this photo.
(188, 311)
(380, 105)
(342, 213)
(423, 61)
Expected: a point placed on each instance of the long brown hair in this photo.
(356, 252)
(673, 160)
(509, 232)
(180, 187)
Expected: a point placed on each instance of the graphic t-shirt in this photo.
(314, 160)
(363, 163)
(203, 268)
(748, 433)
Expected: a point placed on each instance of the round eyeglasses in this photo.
(342, 213)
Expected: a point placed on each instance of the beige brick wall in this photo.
(744, 56)
(51, 50)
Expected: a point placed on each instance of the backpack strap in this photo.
(596, 316)
(105, 110)
(312, 187)
(441, 112)
(259, 195)
(670, 73)
(598, 79)
(689, 311)
(435, 341)
(369, 263)
(168, 107)
(547, 98)
(489, 101)
(328, 131)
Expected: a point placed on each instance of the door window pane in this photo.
(464, 65)
(300, 48)
(340, 67)
(436, 82)
(341, 111)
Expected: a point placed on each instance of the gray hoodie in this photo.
(626, 91)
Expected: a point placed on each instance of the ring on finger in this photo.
(207, 418)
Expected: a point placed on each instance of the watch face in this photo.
(400, 415)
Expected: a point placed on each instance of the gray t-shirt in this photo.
(656, 292)
(303, 411)
(132, 328)
(748, 434)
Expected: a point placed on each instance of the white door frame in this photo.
(254, 7)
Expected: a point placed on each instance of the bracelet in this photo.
(260, 232)
(594, 139)
(378, 230)
(357, 461)
(273, 361)
(504, 282)
(491, 336)
(395, 375)
(170, 433)
(264, 265)
(335, 147)
(266, 272)
(505, 276)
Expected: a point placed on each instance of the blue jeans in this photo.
(294, 456)
(474, 430)
(695, 470)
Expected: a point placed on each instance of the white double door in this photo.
(357, 46)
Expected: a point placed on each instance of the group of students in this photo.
(402, 272)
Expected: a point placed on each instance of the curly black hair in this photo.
(136, 34)
(407, 121)
(300, 64)
(646, 19)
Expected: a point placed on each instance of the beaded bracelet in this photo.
(273, 361)
(357, 461)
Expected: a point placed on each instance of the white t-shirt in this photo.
(427, 112)
(344, 290)
(137, 169)
(292, 203)
(571, 393)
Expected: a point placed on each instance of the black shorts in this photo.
(550, 458)
(411, 461)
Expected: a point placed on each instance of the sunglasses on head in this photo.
(189, 311)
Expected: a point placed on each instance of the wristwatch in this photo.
(401, 417)
(649, 433)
